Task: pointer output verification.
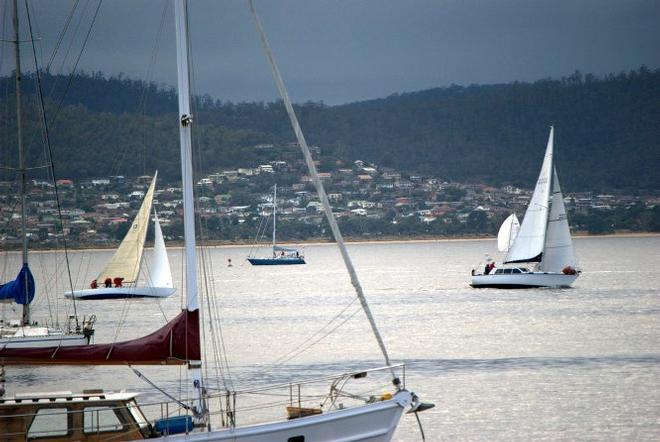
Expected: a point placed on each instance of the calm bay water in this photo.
(545, 364)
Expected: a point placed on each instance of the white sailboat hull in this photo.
(374, 422)
(47, 339)
(523, 280)
(121, 292)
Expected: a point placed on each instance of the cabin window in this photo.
(507, 271)
(296, 439)
(101, 419)
(49, 422)
(516, 271)
(498, 271)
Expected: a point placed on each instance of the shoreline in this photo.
(317, 242)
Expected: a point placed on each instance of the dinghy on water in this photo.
(119, 278)
(543, 240)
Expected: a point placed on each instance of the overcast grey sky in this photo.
(348, 50)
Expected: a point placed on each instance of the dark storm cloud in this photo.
(340, 51)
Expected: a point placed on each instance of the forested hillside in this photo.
(607, 129)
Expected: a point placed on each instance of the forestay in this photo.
(558, 252)
(528, 246)
(125, 263)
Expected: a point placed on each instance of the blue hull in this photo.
(275, 261)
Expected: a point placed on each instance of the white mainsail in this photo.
(161, 274)
(125, 263)
(508, 233)
(528, 246)
(558, 252)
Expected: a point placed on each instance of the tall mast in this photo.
(274, 216)
(21, 157)
(319, 187)
(185, 132)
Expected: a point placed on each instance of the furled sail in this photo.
(176, 343)
(21, 289)
(161, 274)
(125, 263)
(558, 253)
(528, 246)
(507, 233)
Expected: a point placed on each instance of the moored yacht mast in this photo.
(25, 320)
(185, 133)
(336, 233)
(274, 216)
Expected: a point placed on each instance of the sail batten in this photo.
(528, 245)
(125, 263)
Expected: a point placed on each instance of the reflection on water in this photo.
(554, 364)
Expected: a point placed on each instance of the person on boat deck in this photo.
(492, 266)
(118, 281)
(297, 254)
(94, 284)
(108, 282)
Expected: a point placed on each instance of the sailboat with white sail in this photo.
(25, 332)
(281, 255)
(543, 240)
(120, 278)
(179, 343)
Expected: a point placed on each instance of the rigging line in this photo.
(316, 333)
(68, 50)
(145, 89)
(44, 123)
(50, 309)
(219, 371)
(60, 38)
(205, 257)
(194, 136)
(4, 26)
(223, 352)
(322, 337)
(148, 381)
(318, 185)
(75, 66)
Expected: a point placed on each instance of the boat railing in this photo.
(290, 400)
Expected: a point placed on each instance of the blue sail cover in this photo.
(17, 289)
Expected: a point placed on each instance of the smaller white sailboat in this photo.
(543, 239)
(281, 255)
(120, 277)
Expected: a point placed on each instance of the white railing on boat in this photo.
(286, 400)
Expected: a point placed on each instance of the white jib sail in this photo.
(558, 252)
(507, 233)
(529, 244)
(161, 274)
(125, 263)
